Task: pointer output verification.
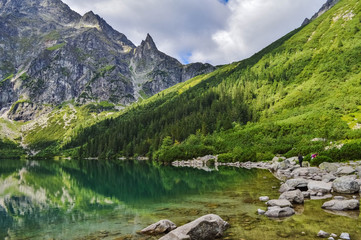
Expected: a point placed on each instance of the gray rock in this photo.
(358, 170)
(346, 184)
(330, 238)
(163, 226)
(323, 234)
(328, 177)
(306, 194)
(207, 227)
(342, 205)
(305, 171)
(278, 212)
(261, 212)
(317, 178)
(345, 236)
(347, 170)
(285, 188)
(339, 198)
(264, 198)
(329, 167)
(319, 186)
(285, 164)
(279, 203)
(297, 183)
(321, 197)
(295, 196)
(333, 235)
(358, 181)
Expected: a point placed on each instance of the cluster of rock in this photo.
(314, 183)
(199, 163)
(332, 236)
(210, 226)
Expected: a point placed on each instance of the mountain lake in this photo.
(88, 199)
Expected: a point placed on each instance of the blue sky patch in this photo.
(185, 57)
(224, 1)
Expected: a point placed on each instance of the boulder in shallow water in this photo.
(319, 186)
(207, 227)
(278, 212)
(285, 188)
(297, 183)
(345, 236)
(295, 196)
(342, 205)
(163, 226)
(261, 212)
(279, 203)
(323, 234)
(264, 198)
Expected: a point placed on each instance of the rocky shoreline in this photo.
(338, 182)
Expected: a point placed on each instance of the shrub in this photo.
(320, 159)
(225, 157)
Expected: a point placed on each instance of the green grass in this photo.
(56, 47)
(305, 85)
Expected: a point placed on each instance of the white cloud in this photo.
(203, 30)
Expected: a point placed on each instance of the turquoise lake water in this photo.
(107, 200)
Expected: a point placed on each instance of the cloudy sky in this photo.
(214, 31)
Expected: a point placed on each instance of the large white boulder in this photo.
(295, 196)
(163, 226)
(347, 170)
(342, 205)
(346, 184)
(278, 212)
(319, 186)
(297, 183)
(279, 203)
(210, 226)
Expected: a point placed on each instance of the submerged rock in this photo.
(264, 198)
(207, 227)
(345, 236)
(279, 203)
(342, 205)
(323, 234)
(278, 212)
(163, 226)
(261, 212)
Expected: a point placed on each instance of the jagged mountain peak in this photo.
(91, 17)
(325, 7)
(72, 57)
(48, 10)
(148, 43)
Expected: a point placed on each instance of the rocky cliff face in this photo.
(50, 54)
(325, 7)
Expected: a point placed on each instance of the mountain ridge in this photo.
(50, 58)
(305, 86)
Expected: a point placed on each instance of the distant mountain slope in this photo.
(50, 54)
(303, 87)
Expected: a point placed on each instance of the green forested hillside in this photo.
(306, 85)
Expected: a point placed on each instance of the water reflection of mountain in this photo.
(34, 194)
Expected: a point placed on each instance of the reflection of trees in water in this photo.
(134, 181)
(77, 189)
